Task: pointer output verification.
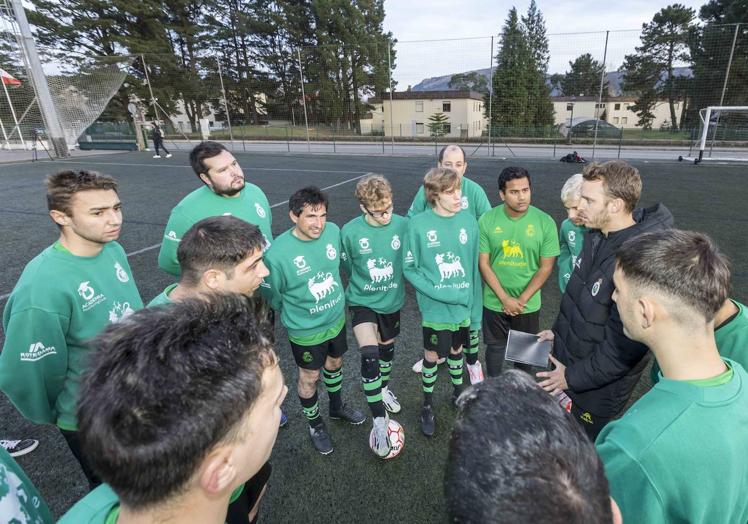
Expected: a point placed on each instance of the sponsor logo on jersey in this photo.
(122, 275)
(511, 249)
(395, 244)
(37, 351)
(530, 231)
(331, 252)
(409, 257)
(463, 236)
(431, 236)
(85, 290)
(498, 229)
(464, 202)
(120, 311)
(343, 256)
(449, 265)
(365, 246)
(596, 287)
(301, 264)
(260, 211)
(172, 235)
(380, 270)
(572, 236)
(321, 285)
(434, 339)
(307, 357)
(265, 243)
(577, 262)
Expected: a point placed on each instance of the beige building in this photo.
(614, 110)
(410, 112)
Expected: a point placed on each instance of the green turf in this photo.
(351, 485)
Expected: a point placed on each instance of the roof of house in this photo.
(427, 95)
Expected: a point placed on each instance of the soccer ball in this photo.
(396, 434)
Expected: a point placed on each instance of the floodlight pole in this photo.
(490, 98)
(392, 108)
(724, 87)
(600, 94)
(39, 82)
(303, 100)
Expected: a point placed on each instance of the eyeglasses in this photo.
(380, 214)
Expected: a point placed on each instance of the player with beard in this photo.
(225, 192)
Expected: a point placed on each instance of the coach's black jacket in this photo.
(602, 364)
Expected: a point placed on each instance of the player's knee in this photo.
(370, 353)
(430, 356)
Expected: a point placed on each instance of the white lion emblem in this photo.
(381, 272)
(451, 268)
(324, 287)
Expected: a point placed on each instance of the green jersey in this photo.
(571, 241)
(515, 246)
(678, 455)
(440, 261)
(304, 285)
(19, 499)
(731, 338)
(100, 506)
(251, 206)
(60, 302)
(474, 200)
(373, 259)
(163, 297)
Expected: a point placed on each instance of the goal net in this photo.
(723, 135)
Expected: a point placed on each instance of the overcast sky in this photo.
(470, 24)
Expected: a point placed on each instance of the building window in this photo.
(616, 120)
(446, 107)
(569, 107)
(419, 128)
(600, 106)
(419, 106)
(617, 107)
(624, 120)
(447, 128)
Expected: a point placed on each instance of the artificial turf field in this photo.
(351, 484)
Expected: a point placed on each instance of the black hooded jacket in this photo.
(602, 364)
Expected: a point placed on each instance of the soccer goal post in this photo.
(716, 121)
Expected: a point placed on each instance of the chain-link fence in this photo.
(611, 90)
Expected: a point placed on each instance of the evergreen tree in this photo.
(583, 77)
(437, 124)
(710, 45)
(471, 81)
(649, 71)
(521, 97)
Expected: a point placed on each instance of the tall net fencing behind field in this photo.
(588, 91)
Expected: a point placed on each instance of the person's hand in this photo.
(512, 306)
(555, 381)
(546, 334)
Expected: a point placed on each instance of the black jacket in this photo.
(602, 364)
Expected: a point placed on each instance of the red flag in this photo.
(9, 80)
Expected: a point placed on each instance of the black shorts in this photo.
(388, 324)
(240, 508)
(496, 325)
(313, 357)
(443, 340)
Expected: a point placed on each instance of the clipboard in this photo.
(527, 348)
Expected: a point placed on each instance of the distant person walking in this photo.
(158, 141)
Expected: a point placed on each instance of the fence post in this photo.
(724, 87)
(303, 100)
(226, 105)
(392, 109)
(288, 144)
(600, 94)
(620, 142)
(490, 100)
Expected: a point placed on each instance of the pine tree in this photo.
(583, 77)
(539, 104)
(649, 71)
(437, 124)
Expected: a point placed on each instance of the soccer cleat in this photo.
(350, 415)
(427, 421)
(156, 156)
(16, 448)
(390, 400)
(476, 373)
(418, 366)
(168, 156)
(380, 440)
(456, 392)
(283, 420)
(321, 439)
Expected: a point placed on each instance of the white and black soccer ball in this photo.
(396, 434)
